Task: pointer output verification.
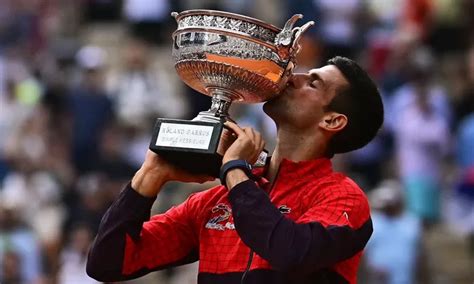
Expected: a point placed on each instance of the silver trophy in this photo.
(232, 58)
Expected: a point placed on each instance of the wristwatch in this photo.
(239, 164)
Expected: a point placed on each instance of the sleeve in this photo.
(323, 236)
(129, 244)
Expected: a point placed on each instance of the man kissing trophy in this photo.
(232, 58)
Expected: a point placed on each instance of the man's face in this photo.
(302, 102)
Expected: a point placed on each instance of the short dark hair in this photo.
(361, 102)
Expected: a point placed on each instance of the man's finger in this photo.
(249, 133)
(258, 147)
(237, 130)
(258, 137)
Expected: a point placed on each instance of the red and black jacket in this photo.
(309, 227)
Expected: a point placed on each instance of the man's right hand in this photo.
(155, 172)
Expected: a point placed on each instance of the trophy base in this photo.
(194, 146)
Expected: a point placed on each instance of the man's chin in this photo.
(267, 105)
(270, 108)
(273, 100)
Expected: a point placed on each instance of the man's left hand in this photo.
(248, 145)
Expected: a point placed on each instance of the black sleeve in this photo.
(285, 244)
(124, 217)
(129, 245)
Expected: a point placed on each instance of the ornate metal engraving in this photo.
(234, 57)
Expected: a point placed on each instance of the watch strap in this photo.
(235, 164)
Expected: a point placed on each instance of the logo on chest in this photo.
(221, 214)
(284, 209)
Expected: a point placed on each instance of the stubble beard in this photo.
(276, 109)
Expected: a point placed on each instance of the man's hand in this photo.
(248, 146)
(155, 172)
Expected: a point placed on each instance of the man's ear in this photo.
(333, 122)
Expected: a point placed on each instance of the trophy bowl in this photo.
(240, 58)
(232, 58)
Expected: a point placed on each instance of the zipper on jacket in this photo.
(274, 182)
(247, 269)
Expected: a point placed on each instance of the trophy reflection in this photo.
(232, 58)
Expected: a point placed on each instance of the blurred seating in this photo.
(81, 83)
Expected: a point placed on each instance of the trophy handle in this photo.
(287, 41)
(298, 32)
(285, 36)
(175, 15)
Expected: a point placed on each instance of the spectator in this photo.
(141, 92)
(12, 116)
(393, 250)
(90, 108)
(148, 20)
(461, 208)
(366, 165)
(10, 271)
(20, 257)
(381, 34)
(89, 200)
(465, 104)
(50, 127)
(102, 10)
(112, 160)
(339, 25)
(32, 182)
(74, 255)
(465, 149)
(421, 132)
(461, 203)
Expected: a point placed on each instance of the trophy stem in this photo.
(219, 111)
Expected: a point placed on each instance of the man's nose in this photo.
(296, 80)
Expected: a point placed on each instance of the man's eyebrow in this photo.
(315, 76)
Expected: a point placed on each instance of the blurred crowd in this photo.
(76, 114)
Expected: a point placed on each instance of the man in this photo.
(296, 221)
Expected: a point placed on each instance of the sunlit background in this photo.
(81, 83)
